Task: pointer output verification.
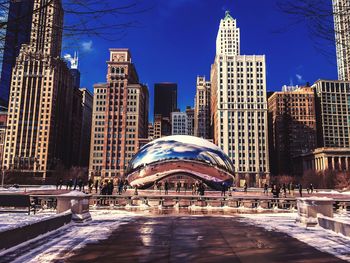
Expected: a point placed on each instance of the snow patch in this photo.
(321, 239)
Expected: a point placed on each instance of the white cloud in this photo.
(87, 46)
(299, 78)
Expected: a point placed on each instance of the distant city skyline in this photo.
(178, 48)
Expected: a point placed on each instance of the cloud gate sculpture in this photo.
(180, 154)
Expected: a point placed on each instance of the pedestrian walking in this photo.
(311, 188)
(193, 186)
(300, 186)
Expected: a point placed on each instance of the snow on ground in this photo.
(15, 220)
(59, 245)
(26, 188)
(321, 239)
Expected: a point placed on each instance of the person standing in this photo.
(284, 188)
(275, 191)
(300, 190)
(96, 186)
(266, 189)
(178, 187)
(245, 187)
(166, 187)
(120, 186)
(223, 189)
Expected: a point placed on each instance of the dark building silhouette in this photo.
(292, 127)
(17, 33)
(165, 99)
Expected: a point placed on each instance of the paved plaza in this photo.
(197, 239)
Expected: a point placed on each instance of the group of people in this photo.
(71, 184)
(284, 188)
(103, 186)
(198, 188)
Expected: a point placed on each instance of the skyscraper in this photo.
(40, 107)
(341, 11)
(19, 23)
(292, 127)
(333, 111)
(165, 99)
(239, 106)
(120, 117)
(85, 138)
(202, 109)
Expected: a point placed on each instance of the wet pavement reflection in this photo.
(171, 235)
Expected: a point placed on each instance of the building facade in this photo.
(190, 120)
(18, 31)
(165, 99)
(239, 106)
(292, 127)
(120, 117)
(86, 123)
(179, 123)
(333, 111)
(341, 11)
(202, 109)
(3, 123)
(38, 137)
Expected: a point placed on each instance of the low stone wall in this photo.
(16, 236)
(334, 224)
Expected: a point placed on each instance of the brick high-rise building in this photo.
(41, 96)
(341, 11)
(120, 117)
(202, 109)
(190, 120)
(239, 106)
(292, 127)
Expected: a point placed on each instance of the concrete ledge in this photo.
(336, 225)
(16, 236)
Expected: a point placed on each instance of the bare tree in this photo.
(107, 19)
(318, 17)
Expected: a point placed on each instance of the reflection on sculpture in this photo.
(184, 154)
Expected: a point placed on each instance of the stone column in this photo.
(347, 163)
(333, 167)
(325, 163)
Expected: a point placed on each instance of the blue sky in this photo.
(175, 42)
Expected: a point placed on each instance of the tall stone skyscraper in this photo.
(341, 11)
(120, 117)
(40, 106)
(202, 109)
(239, 106)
